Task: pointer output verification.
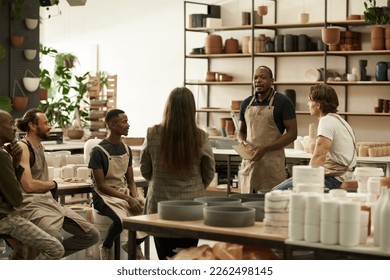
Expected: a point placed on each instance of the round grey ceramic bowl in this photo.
(248, 196)
(259, 207)
(180, 210)
(228, 216)
(215, 201)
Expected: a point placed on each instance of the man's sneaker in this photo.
(106, 253)
(139, 255)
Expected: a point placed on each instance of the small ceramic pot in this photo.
(330, 35)
(31, 23)
(30, 54)
(19, 102)
(231, 46)
(303, 18)
(262, 10)
(213, 44)
(17, 41)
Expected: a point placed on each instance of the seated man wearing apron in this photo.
(335, 147)
(115, 193)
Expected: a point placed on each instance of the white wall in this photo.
(142, 42)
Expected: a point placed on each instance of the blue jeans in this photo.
(330, 183)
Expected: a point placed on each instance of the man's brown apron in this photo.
(269, 171)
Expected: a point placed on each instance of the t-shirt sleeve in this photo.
(326, 128)
(96, 159)
(130, 157)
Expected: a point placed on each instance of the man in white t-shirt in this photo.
(335, 147)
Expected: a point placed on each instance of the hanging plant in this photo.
(16, 9)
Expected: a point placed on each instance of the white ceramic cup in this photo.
(350, 212)
(329, 233)
(296, 216)
(296, 231)
(83, 172)
(303, 17)
(363, 235)
(351, 77)
(330, 211)
(312, 217)
(67, 172)
(298, 201)
(311, 233)
(349, 234)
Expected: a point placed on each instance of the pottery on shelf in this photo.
(262, 10)
(19, 102)
(330, 35)
(213, 44)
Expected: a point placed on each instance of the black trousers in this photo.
(165, 246)
(116, 227)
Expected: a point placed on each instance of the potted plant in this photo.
(67, 60)
(5, 103)
(376, 15)
(45, 78)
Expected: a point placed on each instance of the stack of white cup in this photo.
(312, 217)
(297, 216)
(308, 178)
(329, 222)
(363, 173)
(374, 187)
(350, 217)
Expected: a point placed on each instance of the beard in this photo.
(43, 135)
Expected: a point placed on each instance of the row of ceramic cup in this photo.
(329, 221)
(62, 158)
(69, 171)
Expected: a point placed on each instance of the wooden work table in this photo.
(256, 235)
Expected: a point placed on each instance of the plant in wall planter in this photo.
(17, 40)
(18, 102)
(45, 78)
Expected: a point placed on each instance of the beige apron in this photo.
(269, 171)
(41, 208)
(115, 178)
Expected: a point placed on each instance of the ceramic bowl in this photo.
(30, 54)
(259, 207)
(229, 216)
(180, 210)
(216, 201)
(31, 84)
(31, 23)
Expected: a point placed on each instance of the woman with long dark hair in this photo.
(177, 160)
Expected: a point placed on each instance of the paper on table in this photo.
(244, 151)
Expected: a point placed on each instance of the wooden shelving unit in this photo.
(102, 98)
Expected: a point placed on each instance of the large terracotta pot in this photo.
(231, 46)
(331, 35)
(377, 38)
(213, 44)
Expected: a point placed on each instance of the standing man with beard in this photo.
(39, 205)
(267, 125)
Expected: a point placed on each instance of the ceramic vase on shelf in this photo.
(330, 35)
(384, 240)
(377, 215)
